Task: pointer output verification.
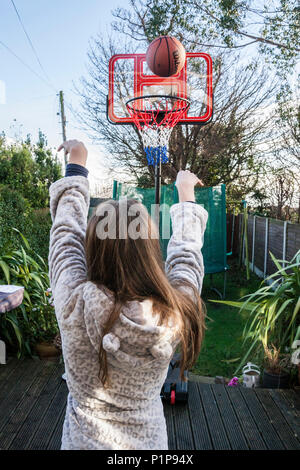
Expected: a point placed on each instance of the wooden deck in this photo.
(33, 400)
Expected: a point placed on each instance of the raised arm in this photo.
(69, 203)
(184, 257)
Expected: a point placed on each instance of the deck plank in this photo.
(183, 430)
(30, 370)
(23, 408)
(7, 369)
(168, 412)
(213, 418)
(13, 377)
(55, 441)
(199, 426)
(50, 420)
(260, 416)
(33, 400)
(232, 426)
(36, 414)
(293, 399)
(250, 428)
(277, 418)
(291, 430)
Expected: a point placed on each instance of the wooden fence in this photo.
(265, 235)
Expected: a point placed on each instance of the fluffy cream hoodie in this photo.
(129, 415)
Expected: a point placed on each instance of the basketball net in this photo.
(155, 117)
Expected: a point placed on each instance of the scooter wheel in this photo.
(172, 400)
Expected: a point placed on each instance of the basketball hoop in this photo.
(155, 117)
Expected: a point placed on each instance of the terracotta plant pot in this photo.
(47, 350)
(270, 380)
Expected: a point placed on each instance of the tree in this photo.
(29, 169)
(282, 189)
(288, 124)
(26, 172)
(276, 195)
(227, 150)
(287, 142)
(272, 25)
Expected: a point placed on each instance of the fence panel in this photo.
(280, 238)
(275, 243)
(259, 248)
(293, 240)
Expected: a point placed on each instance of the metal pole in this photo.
(241, 241)
(246, 238)
(157, 183)
(115, 189)
(253, 241)
(232, 232)
(63, 120)
(284, 242)
(157, 191)
(266, 247)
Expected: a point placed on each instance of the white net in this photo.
(155, 117)
(156, 136)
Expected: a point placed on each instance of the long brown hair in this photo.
(133, 269)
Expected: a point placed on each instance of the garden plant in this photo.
(273, 325)
(34, 320)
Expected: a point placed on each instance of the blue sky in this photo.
(60, 31)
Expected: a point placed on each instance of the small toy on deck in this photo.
(174, 389)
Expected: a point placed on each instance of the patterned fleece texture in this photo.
(129, 415)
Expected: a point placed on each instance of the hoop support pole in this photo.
(157, 176)
(157, 182)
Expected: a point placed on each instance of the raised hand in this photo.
(77, 151)
(185, 183)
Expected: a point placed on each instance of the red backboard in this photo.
(129, 77)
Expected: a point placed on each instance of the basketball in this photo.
(165, 56)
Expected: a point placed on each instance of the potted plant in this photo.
(276, 372)
(273, 310)
(47, 350)
(46, 336)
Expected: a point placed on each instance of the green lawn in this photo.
(222, 348)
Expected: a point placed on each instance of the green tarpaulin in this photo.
(212, 199)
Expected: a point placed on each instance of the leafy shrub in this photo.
(14, 212)
(29, 169)
(274, 320)
(35, 319)
(26, 172)
(37, 232)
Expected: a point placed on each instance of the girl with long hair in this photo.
(121, 312)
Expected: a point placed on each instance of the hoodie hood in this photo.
(135, 340)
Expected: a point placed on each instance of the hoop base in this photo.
(156, 155)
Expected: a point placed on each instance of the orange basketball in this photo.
(165, 56)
